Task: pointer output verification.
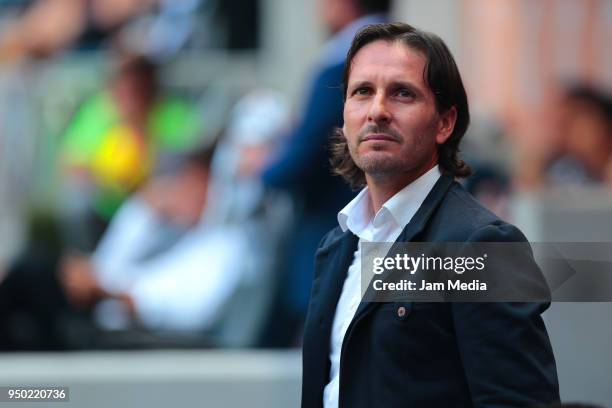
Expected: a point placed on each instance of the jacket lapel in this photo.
(332, 263)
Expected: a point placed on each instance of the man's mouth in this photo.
(379, 137)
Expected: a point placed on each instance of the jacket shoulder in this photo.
(462, 218)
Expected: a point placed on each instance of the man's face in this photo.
(391, 123)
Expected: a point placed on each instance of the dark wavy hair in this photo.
(442, 77)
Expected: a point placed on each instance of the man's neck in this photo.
(382, 188)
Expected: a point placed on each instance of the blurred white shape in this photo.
(259, 117)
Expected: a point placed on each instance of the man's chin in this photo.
(378, 164)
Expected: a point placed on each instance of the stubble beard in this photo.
(380, 166)
(375, 163)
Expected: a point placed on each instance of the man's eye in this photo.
(361, 91)
(405, 93)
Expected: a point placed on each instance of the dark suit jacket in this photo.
(436, 354)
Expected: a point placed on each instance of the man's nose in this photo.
(379, 112)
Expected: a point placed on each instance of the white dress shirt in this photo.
(384, 226)
(182, 288)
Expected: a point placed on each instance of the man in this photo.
(405, 113)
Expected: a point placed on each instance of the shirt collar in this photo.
(406, 202)
(356, 214)
(399, 209)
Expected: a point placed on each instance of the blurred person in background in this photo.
(111, 144)
(573, 146)
(161, 264)
(301, 166)
(43, 300)
(179, 255)
(218, 217)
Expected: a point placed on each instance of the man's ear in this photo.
(344, 130)
(446, 125)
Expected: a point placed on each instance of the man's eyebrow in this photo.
(358, 84)
(394, 85)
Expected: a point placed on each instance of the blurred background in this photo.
(164, 180)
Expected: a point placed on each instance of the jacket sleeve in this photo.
(504, 347)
